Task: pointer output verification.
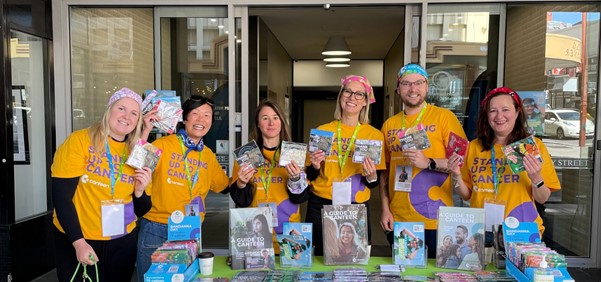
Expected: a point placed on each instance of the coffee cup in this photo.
(205, 263)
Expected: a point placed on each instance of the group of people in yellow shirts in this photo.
(98, 199)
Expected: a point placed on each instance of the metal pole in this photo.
(584, 90)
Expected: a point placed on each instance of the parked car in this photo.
(562, 123)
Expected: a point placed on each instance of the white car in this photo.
(562, 123)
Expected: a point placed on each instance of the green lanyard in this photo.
(266, 180)
(419, 117)
(342, 160)
(112, 168)
(191, 181)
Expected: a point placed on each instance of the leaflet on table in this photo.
(306, 231)
(164, 272)
(249, 153)
(168, 106)
(414, 138)
(292, 151)
(259, 259)
(516, 151)
(321, 140)
(370, 148)
(183, 227)
(409, 246)
(295, 251)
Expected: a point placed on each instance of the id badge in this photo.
(113, 217)
(403, 177)
(274, 211)
(192, 209)
(495, 213)
(341, 192)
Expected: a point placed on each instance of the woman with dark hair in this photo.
(183, 176)
(260, 231)
(270, 185)
(474, 261)
(336, 172)
(89, 175)
(501, 122)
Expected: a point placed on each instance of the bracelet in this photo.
(372, 181)
(540, 184)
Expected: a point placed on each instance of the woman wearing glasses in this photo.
(502, 121)
(182, 178)
(271, 185)
(336, 178)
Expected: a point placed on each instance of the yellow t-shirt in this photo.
(330, 170)
(515, 190)
(170, 190)
(429, 189)
(77, 158)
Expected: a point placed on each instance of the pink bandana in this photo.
(122, 93)
(363, 80)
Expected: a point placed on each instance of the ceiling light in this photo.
(337, 59)
(338, 65)
(336, 46)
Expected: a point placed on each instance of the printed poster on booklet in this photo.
(183, 227)
(321, 140)
(345, 234)
(414, 138)
(409, 246)
(367, 148)
(292, 151)
(516, 151)
(460, 243)
(249, 153)
(250, 229)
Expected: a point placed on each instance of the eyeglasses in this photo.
(358, 94)
(409, 84)
(202, 100)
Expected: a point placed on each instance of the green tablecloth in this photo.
(221, 269)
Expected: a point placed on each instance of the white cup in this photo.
(205, 263)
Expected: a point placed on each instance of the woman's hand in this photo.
(454, 164)
(148, 119)
(417, 158)
(245, 173)
(293, 170)
(84, 252)
(143, 178)
(533, 167)
(369, 169)
(316, 158)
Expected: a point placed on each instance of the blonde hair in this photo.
(330, 238)
(363, 114)
(99, 132)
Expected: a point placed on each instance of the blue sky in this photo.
(572, 17)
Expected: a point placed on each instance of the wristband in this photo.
(372, 181)
(540, 184)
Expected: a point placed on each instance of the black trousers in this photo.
(429, 237)
(117, 258)
(313, 215)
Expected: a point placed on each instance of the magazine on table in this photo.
(409, 246)
(460, 243)
(321, 140)
(250, 229)
(306, 230)
(367, 148)
(345, 238)
(249, 153)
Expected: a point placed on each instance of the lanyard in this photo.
(112, 168)
(494, 171)
(266, 180)
(191, 182)
(419, 117)
(342, 160)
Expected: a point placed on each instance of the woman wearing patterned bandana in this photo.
(485, 176)
(89, 176)
(337, 169)
(183, 176)
(271, 185)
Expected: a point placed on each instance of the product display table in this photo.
(221, 269)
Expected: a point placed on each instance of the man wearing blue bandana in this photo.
(183, 177)
(428, 186)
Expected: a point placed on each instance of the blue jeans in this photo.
(151, 236)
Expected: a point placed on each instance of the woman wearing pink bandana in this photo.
(327, 171)
(89, 177)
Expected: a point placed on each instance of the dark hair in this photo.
(192, 103)
(265, 230)
(486, 134)
(256, 133)
(463, 228)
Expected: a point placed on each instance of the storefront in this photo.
(238, 52)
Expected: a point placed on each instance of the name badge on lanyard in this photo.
(113, 217)
(341, 191)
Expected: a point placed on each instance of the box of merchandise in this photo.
(164, 272)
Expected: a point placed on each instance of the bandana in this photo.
(122, 93)
(413, 68)
(502, 90)
(189, 143)
(369, 91)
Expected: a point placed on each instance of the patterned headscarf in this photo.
(122, 93)
(413, 68)
(369, 91)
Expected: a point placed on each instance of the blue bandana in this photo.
(189, 143)
(413, 68)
